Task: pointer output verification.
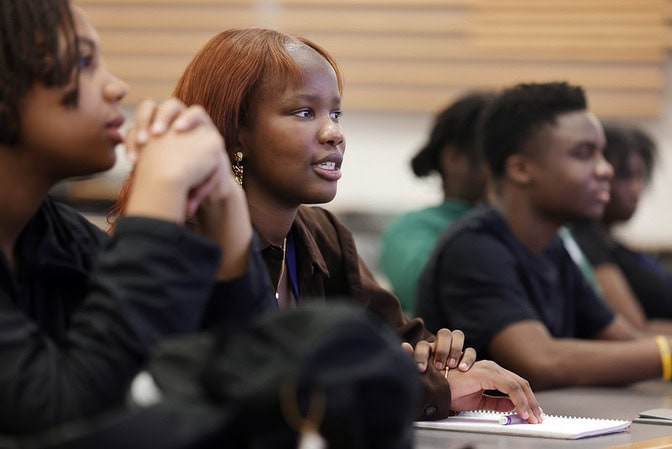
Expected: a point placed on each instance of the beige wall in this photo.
(404, 59)
(414, 55)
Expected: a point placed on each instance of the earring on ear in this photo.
(238, 167)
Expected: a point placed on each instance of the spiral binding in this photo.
(477, 413)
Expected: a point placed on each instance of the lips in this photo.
(603, 195)
(112, 129)
(329, 168)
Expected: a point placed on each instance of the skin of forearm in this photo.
(235, 238)
(160, 197)
(659, 326)
(566, 362)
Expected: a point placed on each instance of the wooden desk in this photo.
(614, 403)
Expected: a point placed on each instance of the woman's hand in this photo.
(153, 119)
(179, 167)
(215, 205)
(445, 352)
(468, 391)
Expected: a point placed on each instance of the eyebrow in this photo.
(307, 97)
(87, 43)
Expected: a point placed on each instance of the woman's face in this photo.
(626, 189)
(77, 139)
(292, 142)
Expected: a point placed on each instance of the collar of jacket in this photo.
(303, 234)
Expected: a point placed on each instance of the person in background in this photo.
(451, 151)
(501, 273)
(276, 99)
(81, 312)
(635, 284)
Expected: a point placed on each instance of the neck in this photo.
(531, 228)
(605, 229)
(271, 223)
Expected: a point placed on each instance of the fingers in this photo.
(144, 116)
(407, 347)
(519, 392)
(443, 350)
(138, 134)
(190, 118)
(421, 354)
(218, 185)
(448, 348)
(153, 119)
(469, 391)
(505, 405)
(165, 115)
(189, 166)
(200, 192)
(468, 359)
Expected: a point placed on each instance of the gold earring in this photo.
(238, 167)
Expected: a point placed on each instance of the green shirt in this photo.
(407, 243)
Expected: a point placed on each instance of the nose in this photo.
(115, 89)
(331, 134)
(637, 186)
(603, 169)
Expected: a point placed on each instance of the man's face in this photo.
(569, 177)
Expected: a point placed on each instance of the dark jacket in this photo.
(329, 267)
(83, 311)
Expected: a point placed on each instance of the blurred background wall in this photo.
(403, 60)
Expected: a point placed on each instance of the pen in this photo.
(504, 420)
(511, 419)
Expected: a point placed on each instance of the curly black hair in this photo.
(38, 46)
(518, 112)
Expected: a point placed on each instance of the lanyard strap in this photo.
(291, 265)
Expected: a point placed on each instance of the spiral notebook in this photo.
(563, 427)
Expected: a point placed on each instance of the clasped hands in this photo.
(180, 157)
(179, 146)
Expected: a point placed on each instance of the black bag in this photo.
(253, 386)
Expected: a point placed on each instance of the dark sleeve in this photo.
(471, 283)
(151, 280)
(649, 279)
(245, 297)
(365, 289)
(592, 244)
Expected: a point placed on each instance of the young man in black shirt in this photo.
(501, 273)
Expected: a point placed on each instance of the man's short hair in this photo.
(518, 113)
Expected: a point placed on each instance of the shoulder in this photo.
(318, 219)
(68, 223)
(479, 230)
(413, 221)
(322, 230)
(477, 246)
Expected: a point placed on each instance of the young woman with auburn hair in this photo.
(276, 99)
(80, 312)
